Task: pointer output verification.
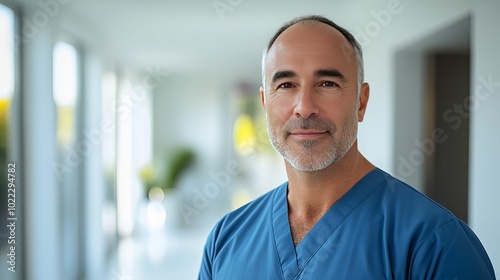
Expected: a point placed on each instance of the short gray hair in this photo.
(350, 38)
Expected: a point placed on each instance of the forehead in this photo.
(311, 44)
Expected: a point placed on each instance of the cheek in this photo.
(349, 121)
(278, 112)
(275, 121)
(339, 115)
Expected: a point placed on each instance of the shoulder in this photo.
(452, 251)
(406, 212)
(406, 202)
(440, 244)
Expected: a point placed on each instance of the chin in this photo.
(309, 168)
(312, 163)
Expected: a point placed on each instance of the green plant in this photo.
(177, 163)
(180, 161)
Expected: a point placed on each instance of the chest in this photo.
(299, 227)
(272, 256)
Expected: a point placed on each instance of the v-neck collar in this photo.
(294, 259)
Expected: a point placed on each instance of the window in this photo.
(10, 144)
(7, 73)
(7, 85)
(65, 92)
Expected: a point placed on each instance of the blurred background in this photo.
(131, 126)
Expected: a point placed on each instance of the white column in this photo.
(94, 188)
(42, 227)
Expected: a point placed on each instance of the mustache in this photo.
(309, 123)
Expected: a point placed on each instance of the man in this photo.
(338, 216)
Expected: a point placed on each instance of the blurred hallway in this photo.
(132, 127)
(162, 255)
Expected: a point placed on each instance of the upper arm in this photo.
(207, 259)
(451, 252)
(206, 265)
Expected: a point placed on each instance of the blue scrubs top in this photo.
(380, 229)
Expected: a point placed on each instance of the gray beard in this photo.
(306, 158)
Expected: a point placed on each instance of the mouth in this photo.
(307, 134)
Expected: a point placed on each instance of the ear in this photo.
(364, 95)
(262, 98)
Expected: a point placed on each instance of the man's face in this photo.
(310, 96)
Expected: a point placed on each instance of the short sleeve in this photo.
(452, 251)
(206, 261)
(209, 253)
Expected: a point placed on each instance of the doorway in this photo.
(432, 86)
(447, 180)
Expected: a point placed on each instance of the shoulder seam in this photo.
(423, 196)
(426, 239)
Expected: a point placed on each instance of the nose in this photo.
(306, 104)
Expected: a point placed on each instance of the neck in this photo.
(312, 193)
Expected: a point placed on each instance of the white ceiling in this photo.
(193, 36)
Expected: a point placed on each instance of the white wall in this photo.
(193, 112)
(413, 20)
(484, 186)
(190, 112)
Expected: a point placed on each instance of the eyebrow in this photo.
(282, 74)
(329, 73)
(318, 73)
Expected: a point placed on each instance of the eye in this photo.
(329, 84)
(285, 85)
